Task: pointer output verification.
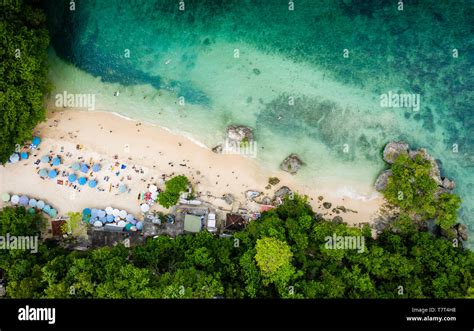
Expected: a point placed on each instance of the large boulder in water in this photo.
(393, 149)
(239, 133)
(461, 230)
(448, 184)
(292, 163)
(382, 180)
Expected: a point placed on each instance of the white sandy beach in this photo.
(149, 152)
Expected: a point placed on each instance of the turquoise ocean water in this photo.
(308, 80)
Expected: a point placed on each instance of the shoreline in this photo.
(160, 151)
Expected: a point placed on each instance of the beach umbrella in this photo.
(92, 183)
(40, 204)
(102, 219)
(36, 141)
(52, 174)
(128, 227)
(101, 213)
(94, 212)
(116, 219)
(86, 211)
(110, 218)
(84, 168)
(134, 221)
(31, 211)
(43, 173)
(123, 214)
(82, 180)
(15, 199)
(116, 212)
(129, 218)
(139, 225)
(122, 188)
(24, 155)
(47, 208)
(24, 200)
(45, 159)
(56, 161)
(109, 210)
(154, 195)
(53, 213)
(5, 197)
(32, 203)
(76, 166)
(14, 158)
(121, 224)
(144, 207)
(71, 178)
(133, 228)
(96, 167)
(153, 188)
(98, 224)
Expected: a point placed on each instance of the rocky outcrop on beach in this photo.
(228, 198)
(280, 194)
(292, 163)
(382, 180)
(393, 149)
(251, 195)
(217, 149)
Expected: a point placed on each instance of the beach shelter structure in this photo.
(96, 167)
(71, 178)
(109, 210)
(192, 223)
(122, 188)
(43, 173)
(92, 183)
(14, 158)
(45, 159)
(82, 180)
(76, 166)
(32, 203)
(24, 155)
(52, 174)
(36, 141)
(56, 161)
(15, 199)
(5, 197)
(24, 200)
(40, 204)
(84, 168)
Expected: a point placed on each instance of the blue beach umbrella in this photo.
(101, 213)
(71, 178)
(122, 188)
(45, 159)
(14, 158)
(24, 156)
(56, 161)
(139, 225)
(134, 221)
(36, 141)
(43, 173)
(32, 203)
(76, 166)
(82, 180)
(129, 218)
(52, 174)
(24, 200)
(96, 167)
(84, 168)
(94, 212)
(110, 218)
(92, 183)
(103, 219)
(53, 213)
(86, 211)
(46, 208)
(40, 204)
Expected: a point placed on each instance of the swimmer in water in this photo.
(116, 94)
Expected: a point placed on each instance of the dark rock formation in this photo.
(393, 149)
(327, 205)
(292, 163)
